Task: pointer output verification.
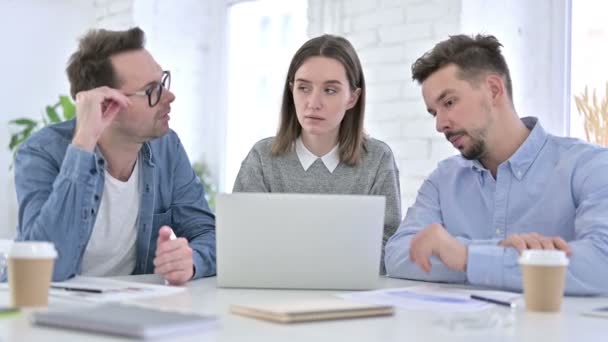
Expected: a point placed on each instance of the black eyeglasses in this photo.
(155, 91)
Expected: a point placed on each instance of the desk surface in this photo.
(496, 324)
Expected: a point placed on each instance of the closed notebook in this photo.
(126, 320)
(305, 311)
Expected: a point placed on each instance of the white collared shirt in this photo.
(331, 159)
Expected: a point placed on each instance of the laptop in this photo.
(299, 241)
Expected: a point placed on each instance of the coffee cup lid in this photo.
(33, 250)
(543, 257)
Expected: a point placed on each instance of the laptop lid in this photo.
(299, 241)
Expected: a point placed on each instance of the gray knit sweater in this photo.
(376, 174)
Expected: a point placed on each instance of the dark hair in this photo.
(90, 66)
(474, 55)
(351, 135)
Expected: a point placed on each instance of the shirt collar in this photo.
(145, 153)
(526, 154)
(330, 160)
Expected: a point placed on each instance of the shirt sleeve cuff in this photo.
(198, 266)
(485, 264)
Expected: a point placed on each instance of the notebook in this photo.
(307, 311)
(126, 320)
(299, 241)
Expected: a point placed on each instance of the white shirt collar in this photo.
(331, 159)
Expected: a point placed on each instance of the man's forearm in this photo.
(498, 267)
(399, 264)
(204, 255)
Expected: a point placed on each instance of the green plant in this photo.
(595, 114)
(63, 110)
(204, 175)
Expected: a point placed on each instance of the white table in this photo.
(496, 324)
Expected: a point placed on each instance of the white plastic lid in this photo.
(541, 257)
(5, 246)
(33, 250)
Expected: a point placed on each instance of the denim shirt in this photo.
(59, 187)
(554, 186)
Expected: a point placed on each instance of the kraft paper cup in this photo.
(544, 277)
(30, 269)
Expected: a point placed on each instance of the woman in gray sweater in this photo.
(321, 146)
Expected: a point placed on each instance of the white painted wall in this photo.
(37, 37)
(589, 54)
(263, 37)
(187, 37)
(536, 45)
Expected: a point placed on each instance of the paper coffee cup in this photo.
(544, 277)
(30, 269)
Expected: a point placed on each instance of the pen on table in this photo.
(493, 301)
(76, 289)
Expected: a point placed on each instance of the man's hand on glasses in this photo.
(95, 110)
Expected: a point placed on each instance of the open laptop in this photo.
(299, 241)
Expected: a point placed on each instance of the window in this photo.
(263, 36)
(589, 55)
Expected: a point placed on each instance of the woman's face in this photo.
(322, 95)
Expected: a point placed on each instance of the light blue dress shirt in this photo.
(554, 186)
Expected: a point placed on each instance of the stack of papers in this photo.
(104, 290)
(431, 298)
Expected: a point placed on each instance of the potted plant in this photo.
(25, 126)
(204, 175)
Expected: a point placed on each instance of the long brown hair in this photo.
(351, 135)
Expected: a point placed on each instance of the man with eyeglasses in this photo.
(112, 187)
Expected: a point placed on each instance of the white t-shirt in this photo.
(111, 248)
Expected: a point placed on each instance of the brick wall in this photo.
(114, 14)
(389, 35)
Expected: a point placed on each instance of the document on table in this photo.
(431, 298)
(103, 290)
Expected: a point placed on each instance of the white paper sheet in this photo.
(112, 290)
(431, 298)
